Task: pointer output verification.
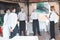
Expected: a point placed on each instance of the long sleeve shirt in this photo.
(13, 20)
(6, 18)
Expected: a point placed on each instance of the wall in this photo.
(33, 5)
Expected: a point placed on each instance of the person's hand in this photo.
(46, 17)
(11, 30)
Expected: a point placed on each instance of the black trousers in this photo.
(15, 31)
(36, 27)
(52, 29)
(22, 28)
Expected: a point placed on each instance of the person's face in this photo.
(14, 10)
(8, 11)
(52, 9)
(22, 9)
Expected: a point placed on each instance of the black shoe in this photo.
(52, 39)
(25, 35)
(39, 34)
(34, 34)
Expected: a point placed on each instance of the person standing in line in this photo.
(13, 19)
(5, 27)
(22, 22)
(52, 20)
(34, 17)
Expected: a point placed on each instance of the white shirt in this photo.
(6, 20)
(52, 16)
(6, 31)
(34, 15)
(21, 16)
(12, 20)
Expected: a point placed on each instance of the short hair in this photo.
(6, 9)
(18, 9)
(12, 8)
(22, 8)
(52, 6)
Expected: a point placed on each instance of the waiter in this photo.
(6, 31)
(13, 22)
(22, 21)
(34, 17)
(52, 20)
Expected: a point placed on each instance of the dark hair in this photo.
(12, 8)
(18, 9)
(6, 9)
(21, 8)
(52, 6)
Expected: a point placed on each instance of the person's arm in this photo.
(57, 13)
(5, 18)
(47, 17)
(14, 22)
(32, 14)
(26, 18)
(18, 16)
(55, 20)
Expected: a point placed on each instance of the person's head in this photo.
(7, 10)
(22, 9)
(52, 8)
(18, 10)
(34, 10)
(13, 9)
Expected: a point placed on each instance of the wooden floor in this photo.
(46, 36)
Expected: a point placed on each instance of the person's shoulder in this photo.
(5, 14)
(15, 13)
(12, 14)
(23, 13)
(19, 13)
